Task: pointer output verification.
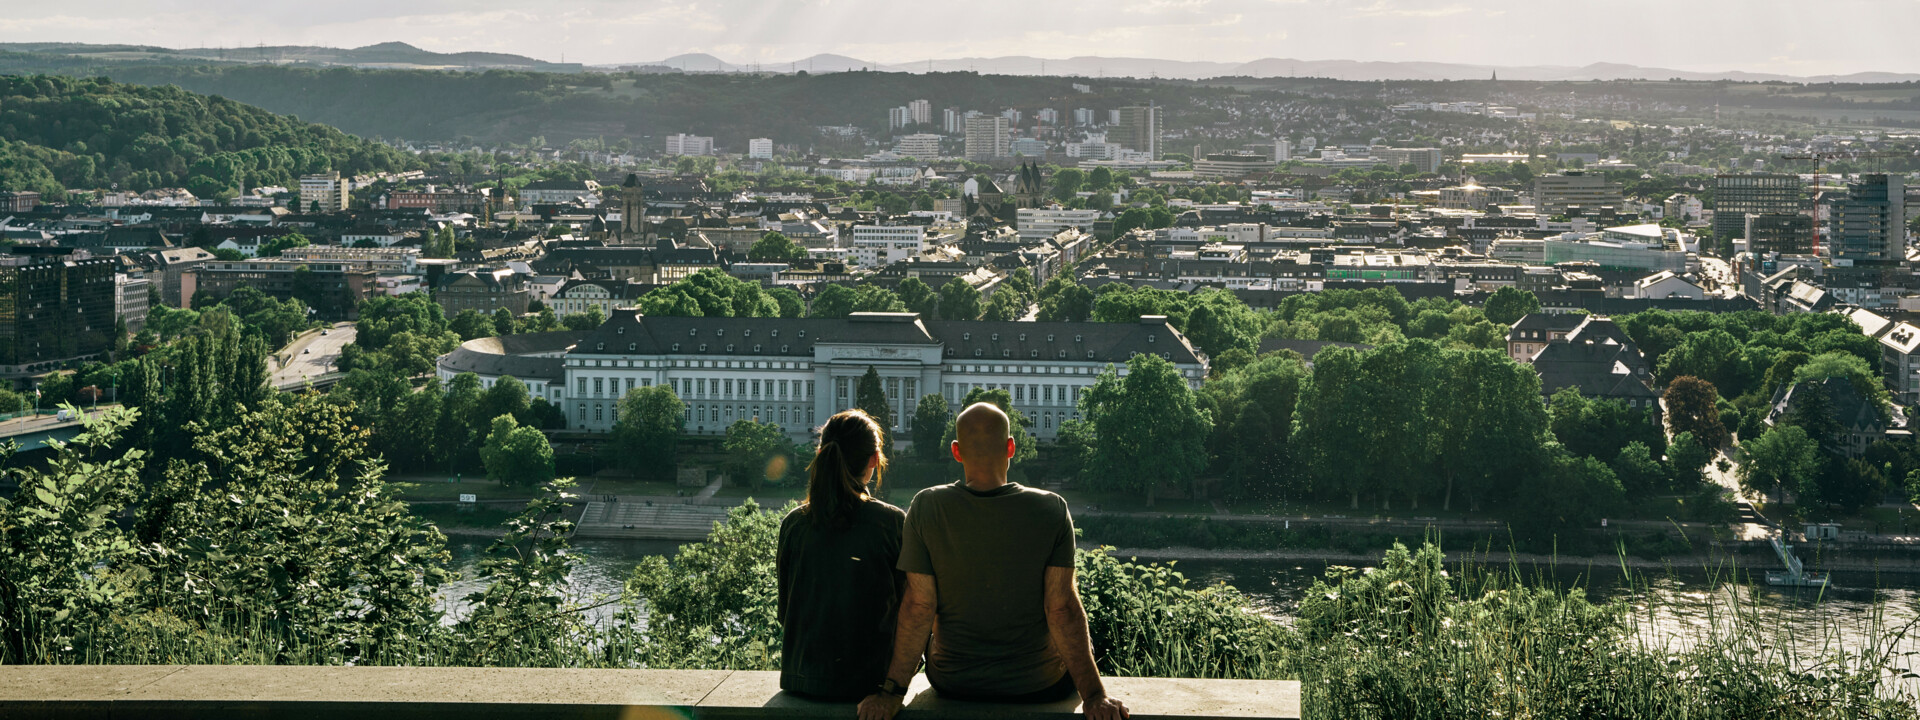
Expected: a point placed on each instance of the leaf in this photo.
(46, 497)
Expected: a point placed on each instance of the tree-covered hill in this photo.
(59, 133)
(512, 106)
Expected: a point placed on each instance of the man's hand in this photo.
(1102, 709)
(884, 707)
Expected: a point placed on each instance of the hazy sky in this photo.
(1806, 37)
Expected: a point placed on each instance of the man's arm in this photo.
(1067, 622)
(910, 635)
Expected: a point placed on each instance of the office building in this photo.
(18, 200)
(1555, 194)
(1867, 221)
(324, 192)
(684, 144)
(1472, 196)
(1426, 160)
(1028, 147)
(879, 245)
(55, 307)
(1737, 196)
(1138, 128)
(1039, 224)
(333, 289)
(797, 372)
(1225, 166)
(132, 299)
(924, 146)
(1783, 233)
(439, 200)
(760, 149)
(987, 137)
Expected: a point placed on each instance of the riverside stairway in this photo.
(650, 518)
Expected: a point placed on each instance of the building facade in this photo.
(1868, 221)
(1737, 196)
(325, 191)
(798, 372)
(924, 146)
(483, 291)
(880, 245)
(987, 137)
(760, 149)
(54, 309)
(1138, 128)
(1555, 194)
(1039, 224)
(333, 289)
(684, 144)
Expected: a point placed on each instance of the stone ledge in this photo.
(242, 691)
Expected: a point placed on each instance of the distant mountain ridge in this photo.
(403, 55)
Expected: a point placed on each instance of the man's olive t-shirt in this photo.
(988, 553)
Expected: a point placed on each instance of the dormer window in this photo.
(747, 332)
(703, 347)
(1089, 354)
(676, 347)
(1149, 337)
(976, 352)
(1076, 338)
(622, 330)
(1023, 337)
(1049, 337)
(774, 333)
(756, 348)
(633, 347)
(692, 332)
(996, 337)
(966, 336)
(1033, 353)
(783, 349)
(1063, 355)
(729, 347)
(722, 332)
(599, 346)
(950, 352)
(1006, 353)
(803, 334)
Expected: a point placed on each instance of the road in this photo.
(311, 355)
(1721, 274)
(36, 423)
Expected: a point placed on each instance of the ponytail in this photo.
(834, 488)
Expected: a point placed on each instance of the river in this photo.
(1672, 608)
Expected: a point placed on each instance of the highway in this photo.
(311, 355)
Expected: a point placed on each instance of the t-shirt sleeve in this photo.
(913, 550)
(1062, 555)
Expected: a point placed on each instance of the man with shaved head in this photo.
(989, 568)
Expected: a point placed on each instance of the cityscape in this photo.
(1403, 382)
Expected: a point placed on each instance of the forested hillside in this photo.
(60, 132)
(511, 106)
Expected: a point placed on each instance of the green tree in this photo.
(507, 396)
(757, 452)
(930, 418)
(1777, 460)
(471, 324)
(582, 321)
(1508, 304)
(504, 323)
(791, 306)
(918, 297)
(1148, 419)
(959, 301)
(1063, 300)
(516, 455)
(775, 247)
(1687, 458)
(838, 301)
(273, 247)
(646, 434)
(1691, 408)
(1006, 306)
(870, 396)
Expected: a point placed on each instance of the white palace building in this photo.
(797, 372)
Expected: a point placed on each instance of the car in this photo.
(308, 351)
(323, 331)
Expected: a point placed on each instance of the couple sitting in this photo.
(983, 566)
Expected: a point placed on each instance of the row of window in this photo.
(785, 416)
(1023, 393)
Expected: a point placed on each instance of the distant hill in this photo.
(397, 55)
(58, 133)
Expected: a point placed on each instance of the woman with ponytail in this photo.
(839, 591)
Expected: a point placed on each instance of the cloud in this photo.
(1381, 8)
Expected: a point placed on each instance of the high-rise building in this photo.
(1113, 117)
(1282, 151)
(1784, 233)
(899, 117)
(987, 137)
(326, 192)
(925, 146)
(1866, 221)
(1554, 194)
(54, 307)
(760, 149)
(1083, 116)
(1426, 160)
(920, 112)
(684, 144)
(1138, 128)
(1737, 196)
(951, 122)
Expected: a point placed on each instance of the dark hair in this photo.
(834, 489)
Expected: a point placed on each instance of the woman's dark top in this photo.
(839, 594)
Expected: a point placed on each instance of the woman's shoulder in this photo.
(882, 508)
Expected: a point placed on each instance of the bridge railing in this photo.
(238, 691)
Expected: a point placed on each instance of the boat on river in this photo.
(1796, 575)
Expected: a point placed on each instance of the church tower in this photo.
(633, 210)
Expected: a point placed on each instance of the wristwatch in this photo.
(889, 687)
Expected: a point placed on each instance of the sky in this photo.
(1700, 35)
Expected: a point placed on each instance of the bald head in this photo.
(980, 433)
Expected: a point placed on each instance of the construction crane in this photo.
(1820, 158)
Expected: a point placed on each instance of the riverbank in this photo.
(1713, 562)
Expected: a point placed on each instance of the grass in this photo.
(422, 488)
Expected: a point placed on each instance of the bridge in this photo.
(32, 430)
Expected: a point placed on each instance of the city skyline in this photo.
(1715, 36)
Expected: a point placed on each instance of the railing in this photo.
(241, 691)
